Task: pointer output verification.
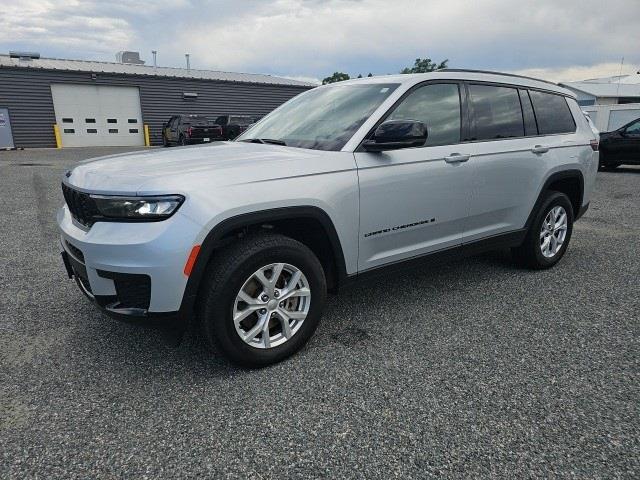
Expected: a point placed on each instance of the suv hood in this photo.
(178, 169)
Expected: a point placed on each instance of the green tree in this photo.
(336, 77)
(425, 65)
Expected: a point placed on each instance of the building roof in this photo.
(618, 86)
(131, 69)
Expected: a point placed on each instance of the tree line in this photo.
(421, 65)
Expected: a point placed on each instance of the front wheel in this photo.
(262, 300)
(549, 234)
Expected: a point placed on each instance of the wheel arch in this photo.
(308, 224)
(569, 182)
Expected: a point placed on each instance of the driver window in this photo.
(633, 129)
(438, 107)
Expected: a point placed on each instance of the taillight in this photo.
(594, 145)
(189, 130)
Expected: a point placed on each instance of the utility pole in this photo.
(154, 53)
(186, 55)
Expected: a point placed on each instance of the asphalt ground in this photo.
(472, 369)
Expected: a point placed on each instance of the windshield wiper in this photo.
(265, 140)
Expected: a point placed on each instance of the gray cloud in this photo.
(312, 38)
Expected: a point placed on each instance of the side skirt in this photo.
(496, 242)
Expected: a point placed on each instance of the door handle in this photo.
(456, 158)
(540, 149)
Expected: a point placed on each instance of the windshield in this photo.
(323, 118)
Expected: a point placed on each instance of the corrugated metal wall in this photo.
(27, 95)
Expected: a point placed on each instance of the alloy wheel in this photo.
(553, 232)
(272, 305)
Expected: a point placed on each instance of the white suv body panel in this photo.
(361, 193)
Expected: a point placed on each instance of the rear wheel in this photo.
(262, 300)
(165, 143)
(549, 234)
(183, 140)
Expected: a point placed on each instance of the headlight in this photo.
(137, 208)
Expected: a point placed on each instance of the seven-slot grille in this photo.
(81, 205)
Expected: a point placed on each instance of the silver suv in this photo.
(340, 183)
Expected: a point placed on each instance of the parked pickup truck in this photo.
(234, 125)
(190, 129)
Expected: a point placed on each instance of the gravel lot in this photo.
(474, 369)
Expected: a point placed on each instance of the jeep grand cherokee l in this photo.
(340, 183)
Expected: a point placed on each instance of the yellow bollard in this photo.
(56, 133)
(147, 143)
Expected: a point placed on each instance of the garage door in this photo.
(98, 115)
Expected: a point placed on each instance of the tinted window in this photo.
(552, 113)
(633, 129)
(438, 107)
(496, 111)
(530, 127)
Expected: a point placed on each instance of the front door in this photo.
(415, 201)
(629, 143)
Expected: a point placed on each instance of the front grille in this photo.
(81, 205)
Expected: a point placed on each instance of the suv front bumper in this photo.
(132, 271)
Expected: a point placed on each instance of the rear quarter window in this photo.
(552, 113)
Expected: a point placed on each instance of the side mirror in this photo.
(396, 134)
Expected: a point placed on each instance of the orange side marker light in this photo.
(191, 261)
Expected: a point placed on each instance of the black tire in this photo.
(224, 278)
(165, 143)
(183, 141)
(529, 254)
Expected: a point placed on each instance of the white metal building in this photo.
(615, 90)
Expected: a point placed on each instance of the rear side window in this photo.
(496, 112)
(438, 107)
(552, 113)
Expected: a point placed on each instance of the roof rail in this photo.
(495, 73)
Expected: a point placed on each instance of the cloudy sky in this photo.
(555, 39)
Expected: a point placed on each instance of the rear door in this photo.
(415, 201)
(506, 172)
